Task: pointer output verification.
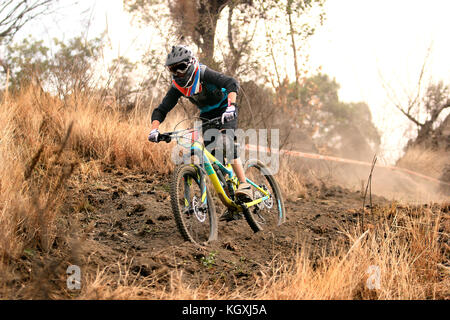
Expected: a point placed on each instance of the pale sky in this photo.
(365, 43)
(362, 44)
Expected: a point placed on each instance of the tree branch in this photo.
(18, 15)
(230, 33)
(409, 116)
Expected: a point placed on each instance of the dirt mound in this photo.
(129, 214)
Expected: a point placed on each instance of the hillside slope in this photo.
(129, 213)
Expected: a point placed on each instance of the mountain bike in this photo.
(192, 202)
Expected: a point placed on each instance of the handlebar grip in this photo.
(164, 137)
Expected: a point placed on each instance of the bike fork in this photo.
(187, 192)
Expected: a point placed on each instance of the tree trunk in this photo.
(209, 12)
(206, 43)
(294, 48)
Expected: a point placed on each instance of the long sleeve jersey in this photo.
(215, 89)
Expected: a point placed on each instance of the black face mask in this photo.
(188, 76)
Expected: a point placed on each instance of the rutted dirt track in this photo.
(129, 214)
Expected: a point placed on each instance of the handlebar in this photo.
(213, 122)
(167, 136)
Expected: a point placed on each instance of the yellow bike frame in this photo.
(208, 160)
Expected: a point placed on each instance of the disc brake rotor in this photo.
(199, 211)
(258, 195)
(268, 203)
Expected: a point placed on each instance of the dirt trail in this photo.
(124, 213)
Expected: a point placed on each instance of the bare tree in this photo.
(15, 14)
(423, 108)
(238, 49)
(196, 21)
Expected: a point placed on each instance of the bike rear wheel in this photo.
(270, 212)
(195, 213)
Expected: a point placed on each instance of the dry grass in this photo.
(42, 141)
(407, 248)
(292, 183)
(425, 161)
(46, 144)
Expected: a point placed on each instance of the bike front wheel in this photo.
(192, 206)
(270, 212)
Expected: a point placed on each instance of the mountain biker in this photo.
(212, 92)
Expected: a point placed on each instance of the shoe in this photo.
(230, 216)
(244, 192)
